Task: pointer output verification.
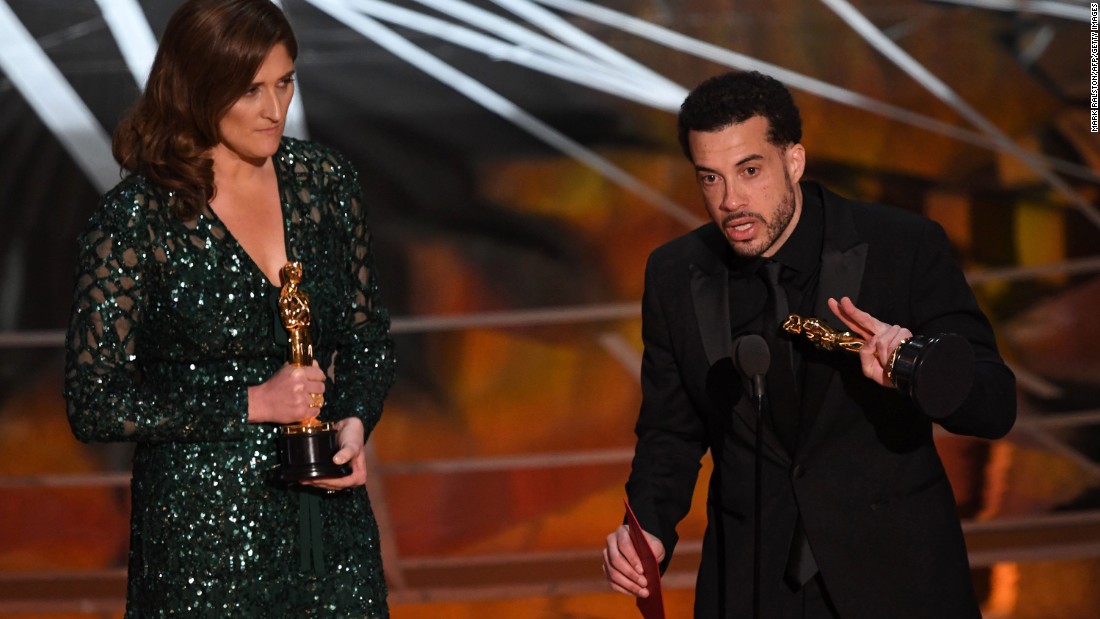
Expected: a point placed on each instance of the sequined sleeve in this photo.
(108, 398)
(365, 364)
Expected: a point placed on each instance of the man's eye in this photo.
(751, 171)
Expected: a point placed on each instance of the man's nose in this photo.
(734, 198)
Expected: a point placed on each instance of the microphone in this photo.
(752, 358)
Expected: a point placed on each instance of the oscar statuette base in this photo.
(305, 453)
(936, 372)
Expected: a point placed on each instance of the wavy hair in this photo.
(210, 51)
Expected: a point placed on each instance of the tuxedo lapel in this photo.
(710, 297)
(843, 259)
(841, 273)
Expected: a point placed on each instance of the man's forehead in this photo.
(744, 139)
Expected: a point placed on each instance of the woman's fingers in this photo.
(350, 437)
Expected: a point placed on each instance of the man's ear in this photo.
(795, 160)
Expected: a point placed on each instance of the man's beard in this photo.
(773, 229)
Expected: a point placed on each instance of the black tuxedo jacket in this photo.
(877, 507)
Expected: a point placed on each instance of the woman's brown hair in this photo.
(210, 51)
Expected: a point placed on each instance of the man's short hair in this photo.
(735, 97)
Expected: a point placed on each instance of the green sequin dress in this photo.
(171, 322)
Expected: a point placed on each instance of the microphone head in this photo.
(751, 355)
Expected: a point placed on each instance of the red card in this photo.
(652, 607)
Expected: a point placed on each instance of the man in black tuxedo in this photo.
(857, 517)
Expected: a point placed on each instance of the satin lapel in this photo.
(841, 273)
(710, 296)
(843, 260)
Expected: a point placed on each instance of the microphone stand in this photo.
(752, 357)
(758, 494)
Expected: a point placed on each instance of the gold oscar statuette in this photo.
(935, 372)
(305, 448)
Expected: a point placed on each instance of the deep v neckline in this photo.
(284, 219)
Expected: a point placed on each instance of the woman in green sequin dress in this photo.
(176, 343)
